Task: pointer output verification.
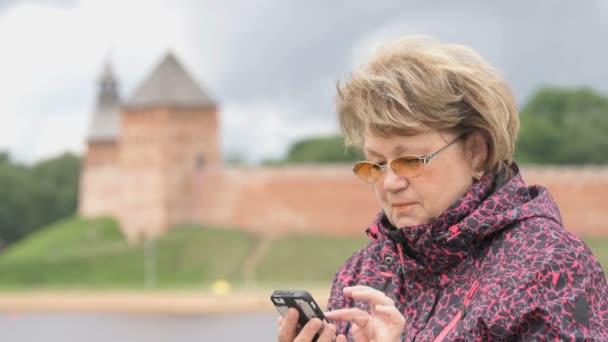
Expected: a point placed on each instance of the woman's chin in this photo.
(405, 221)
(400, 220)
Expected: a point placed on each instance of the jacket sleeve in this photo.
(565, 300)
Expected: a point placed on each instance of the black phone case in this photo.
(302, 301)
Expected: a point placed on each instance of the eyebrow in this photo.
(397, 151)
(400, 150)
(367, 152)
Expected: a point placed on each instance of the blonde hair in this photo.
(418, 84)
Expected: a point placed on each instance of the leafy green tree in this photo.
(329, 149)
(33, 197)
(56, 183)
(4, 157)
(564, 126)
(15, 190)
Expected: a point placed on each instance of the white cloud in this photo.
(58, 132)
(457, 27)
(263, 130)
(51, 57)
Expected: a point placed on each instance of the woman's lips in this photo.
(401, 206)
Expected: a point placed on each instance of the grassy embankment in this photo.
(92, 254)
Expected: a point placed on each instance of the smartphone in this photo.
(302, 301)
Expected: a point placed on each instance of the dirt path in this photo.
(254, 258)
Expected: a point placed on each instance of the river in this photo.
(68, 327)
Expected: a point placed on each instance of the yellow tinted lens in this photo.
(367, 171)
(407, 166)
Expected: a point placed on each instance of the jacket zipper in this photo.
(431, 314)
(460, 315)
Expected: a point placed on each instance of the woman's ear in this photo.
(476, 149)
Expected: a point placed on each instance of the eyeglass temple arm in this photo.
(427, 159)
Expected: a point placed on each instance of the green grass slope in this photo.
(92, 253)
(301, 259)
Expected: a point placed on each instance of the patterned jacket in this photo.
(496, 266)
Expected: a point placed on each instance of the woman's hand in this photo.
(385, 323)
(288, 329)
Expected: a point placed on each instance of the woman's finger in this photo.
(309, 330)
(368, 294)
(328, 333)
(390, 313)
(287, 329)
(354, 315)
(279, 321)
(341, 338)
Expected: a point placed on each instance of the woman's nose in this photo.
(393, 182)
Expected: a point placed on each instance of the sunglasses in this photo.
(406, 166)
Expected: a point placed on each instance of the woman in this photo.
(462, 250)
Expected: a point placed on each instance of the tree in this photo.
(56, 183)
(33, 197)
(4, 157)
(564, 126)
(15, 191)
(329, 149)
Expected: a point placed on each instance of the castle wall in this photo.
(100, 188)
(330, 200)
(581, 194)
(318, 199)
(100, 191)
(192, 146)
(142, 173)
(101, 153)
(155, 185)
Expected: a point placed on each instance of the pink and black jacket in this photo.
(496, 266)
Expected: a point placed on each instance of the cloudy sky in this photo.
(271, 64)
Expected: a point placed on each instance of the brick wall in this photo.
(192, 145)
(100, 190)
(143, 137)
(101, 153)
(99, 180)
(330, 200)
(319, 199)
(581, 194)
(158, 175)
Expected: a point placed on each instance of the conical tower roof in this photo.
(105, 124)
(169, 85)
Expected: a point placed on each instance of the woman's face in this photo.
(414, 201)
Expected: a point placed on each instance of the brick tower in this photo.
(169, 134)
(99, 183)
